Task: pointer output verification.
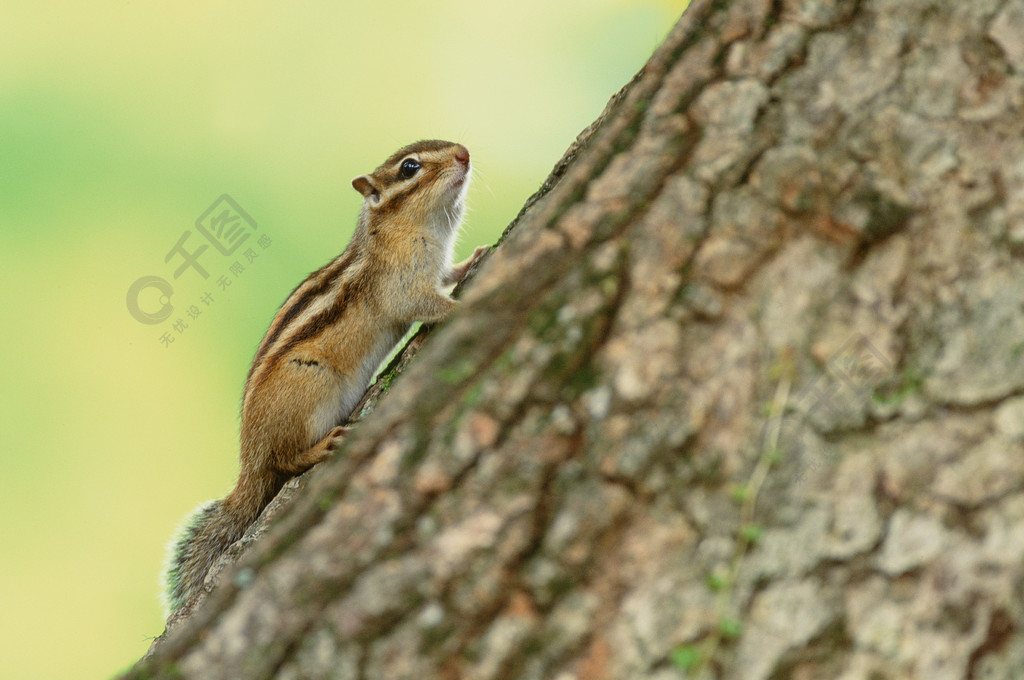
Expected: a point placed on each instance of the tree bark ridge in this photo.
(808, 198)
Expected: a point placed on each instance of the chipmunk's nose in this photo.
(461, 154)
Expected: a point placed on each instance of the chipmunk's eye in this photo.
(409, 168)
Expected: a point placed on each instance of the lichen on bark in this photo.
(824, 196)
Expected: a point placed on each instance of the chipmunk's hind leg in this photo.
(318, 452)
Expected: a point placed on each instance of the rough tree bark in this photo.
(740, 394)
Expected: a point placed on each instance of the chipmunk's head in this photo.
(423, 183)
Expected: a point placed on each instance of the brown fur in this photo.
(331, 334)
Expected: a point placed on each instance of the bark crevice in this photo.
(817, 195)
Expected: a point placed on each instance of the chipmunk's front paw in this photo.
(478, 253)
(459, 271)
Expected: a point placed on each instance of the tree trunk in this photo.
(740, 394)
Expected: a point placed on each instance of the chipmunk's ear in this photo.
(364, 185)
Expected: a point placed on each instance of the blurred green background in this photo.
(120, 123)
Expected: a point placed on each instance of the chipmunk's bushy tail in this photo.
(204, 537)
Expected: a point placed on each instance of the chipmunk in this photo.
(330, 336)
